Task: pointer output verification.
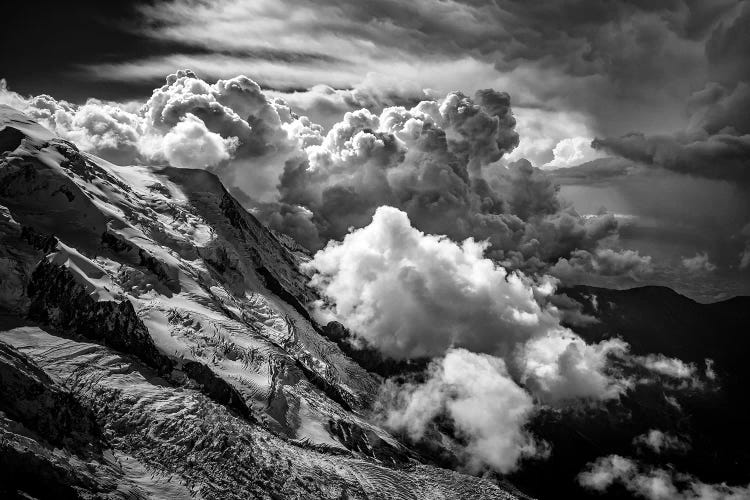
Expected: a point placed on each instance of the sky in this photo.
(658, 89)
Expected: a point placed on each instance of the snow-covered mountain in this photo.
(154, 343)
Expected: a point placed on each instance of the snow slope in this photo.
(176, 318)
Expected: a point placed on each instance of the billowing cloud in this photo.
(488, 409)
(189, 144)
(438, 162)
(604, 262)
(699, 263)
(573, 151)
(562, 367)
(654, 483)
(107, 129)
(413, 294)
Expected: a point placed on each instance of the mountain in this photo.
(154, 343)
(709, 413)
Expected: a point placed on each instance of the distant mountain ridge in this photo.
(713, 418)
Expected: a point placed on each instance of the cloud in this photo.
(653, 483)
(230, 119)
(106, 129)
(715, 143)
(573, 151)
(582, 265)
(411, 295)
(659, 442)
(722, 156)
(663, 365)
(476, 393)
(542, 129)
(562, 367)
(439, 161)
(189, 144)
(699, 263)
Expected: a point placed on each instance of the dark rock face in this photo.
(216, 388)
(10, 139)
(29, 396)
(36, 417)
(367, 442)
(369, 358)
(58, 300)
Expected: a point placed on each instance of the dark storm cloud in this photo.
(716, 141)
(622, 63)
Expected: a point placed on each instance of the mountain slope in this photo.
(149, 300)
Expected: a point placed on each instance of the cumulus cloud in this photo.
(573, 151)
(230, 119)
(653, 483)
(488, 409)
(659, 442)
(583, 264)
(106, 129)
(413, 294)
(699, 263)
(438, 162)
(189, 144)
(562, 367)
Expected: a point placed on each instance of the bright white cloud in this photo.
(413, 294)
(562, 367)
(654, 483)
(542, 130)
(486, 406)
(573, 151)
(663, 365)
(189, 144)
